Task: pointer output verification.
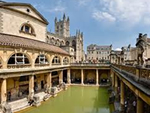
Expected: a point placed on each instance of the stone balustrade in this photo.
(142, 74)
(89, 64)
(13, 66)
(41, 65)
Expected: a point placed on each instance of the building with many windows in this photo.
(98, 53)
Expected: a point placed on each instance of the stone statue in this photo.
(141, 46)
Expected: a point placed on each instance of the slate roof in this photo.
(23, 42)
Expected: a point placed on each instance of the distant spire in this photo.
(64, 17)
(68, 19)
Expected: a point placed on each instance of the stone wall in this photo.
(13, 27)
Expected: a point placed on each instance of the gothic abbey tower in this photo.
(62, 38)
(62, 27)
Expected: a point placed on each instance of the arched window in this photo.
(74, 44)
(27, 28)
(67, 43)
(41, 59)
(62, 43)
(56, 60)
(18, 59)
(65, 61)
(57, 42)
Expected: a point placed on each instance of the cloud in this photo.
(57, 7)
(83, 2)
(118, 49)
(104, 16)
(126, 11)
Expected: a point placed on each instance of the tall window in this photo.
(41, 59)
(18, 58)
(27, 28)
(67, 43)
(74, 44)
(56, 60)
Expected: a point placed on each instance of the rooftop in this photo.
(17, 41)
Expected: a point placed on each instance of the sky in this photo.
(103, 22)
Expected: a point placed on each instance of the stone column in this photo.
(97, 77)
(68, 76)
(122, 97)
(82, 77)
(31, 85)
(139, 105)
(49, 79)
(60, 76)
(116, 84)
(113, 79)
(3, 91)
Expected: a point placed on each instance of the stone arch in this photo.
(42, 59)
(27, 28)
(103, 78)
(28, 56)
(56, 60)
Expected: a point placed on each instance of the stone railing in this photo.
(130, 69)
(13, 66)
(145, 73)
(41, 65)
(65, 63)
(56, 64)
(142, 74)
(89, 64)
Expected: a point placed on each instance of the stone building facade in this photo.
(26, 60)
(62, 38)
(99, 53)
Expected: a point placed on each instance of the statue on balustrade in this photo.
(141, 46)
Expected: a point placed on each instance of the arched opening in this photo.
(41, 60)
(104, 78)
(56, 60)
(62, 43)
(57, 42)
(67, 43)
(27, 28)
(52, 41)
(18, 60)
(65, 61)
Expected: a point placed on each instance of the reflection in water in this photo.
(76, 100)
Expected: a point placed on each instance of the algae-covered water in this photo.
(76, 99)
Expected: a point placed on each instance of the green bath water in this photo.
(76, 99)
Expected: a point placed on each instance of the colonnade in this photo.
(48, 77)
(82, 77)
(47, 81)
(115, 80)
